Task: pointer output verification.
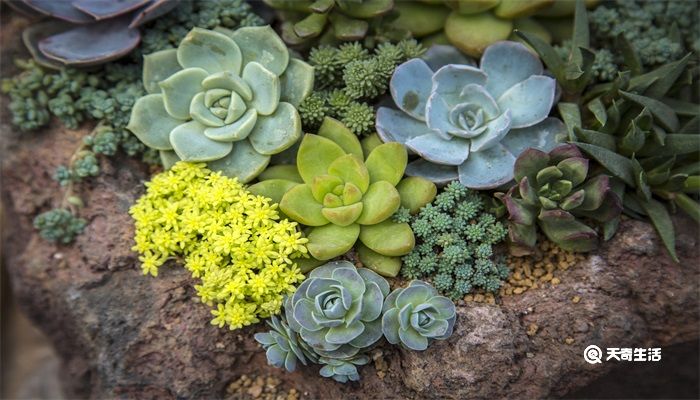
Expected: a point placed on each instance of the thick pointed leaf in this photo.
(546, 52)
(236, 131)
(618, 165)
(663, 113)
(661, 219)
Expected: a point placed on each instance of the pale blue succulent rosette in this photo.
(223, 97)
(471, 123)
(416, 315)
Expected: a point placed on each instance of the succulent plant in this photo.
(554, 191)
(641, 128)
(223, 97)
(343, 370)
(471, 123)
(283, 346)
(415, 315)
(337, 309)
(331, 20)
(344, 196)
(87, 32)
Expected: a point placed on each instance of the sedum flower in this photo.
(231, 240)
(337, 310)
(224, 97)
(417, 314)
(471, 123)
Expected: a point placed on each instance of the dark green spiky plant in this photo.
(642, 128)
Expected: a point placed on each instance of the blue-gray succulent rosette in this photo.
(471, 123)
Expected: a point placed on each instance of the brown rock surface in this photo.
(121, 334)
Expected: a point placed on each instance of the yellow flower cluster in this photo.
(230, 239)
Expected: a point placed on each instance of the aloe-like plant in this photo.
(417, 314)
(84, 33)
(471, 123)
(344, 196)
(337, 309)
(641, 128)
(555, 192)
(224, 97)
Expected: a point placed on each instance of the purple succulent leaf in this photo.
(573, 200)
(521, 238)
(596, 190)
(575, 169)
(155, 9)
(92, 44)
(103, 9)
(529, 163)
(63, 10)
(527, 192)
(518, 212)
(608, 211)
(564, 151)
(34, 33)
(22, 8)
(566, 231)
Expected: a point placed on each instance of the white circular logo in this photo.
(593, 354)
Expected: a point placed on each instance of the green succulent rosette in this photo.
(337, 309)
(417, 314)
(223, 97)
(283, 346)
(344, 197)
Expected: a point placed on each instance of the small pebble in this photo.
(569, 340)
(576, 299)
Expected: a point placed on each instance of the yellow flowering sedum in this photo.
(230, 239)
